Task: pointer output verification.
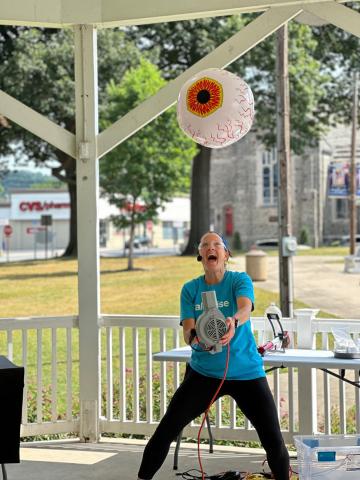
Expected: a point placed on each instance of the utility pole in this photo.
(283, 152)
(352, 196)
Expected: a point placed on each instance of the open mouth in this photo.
(212, 258)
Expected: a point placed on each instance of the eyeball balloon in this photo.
(215, 108)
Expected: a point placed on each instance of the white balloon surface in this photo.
(215, 108)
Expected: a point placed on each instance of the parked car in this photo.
(267, 243)
(345, 239)
(139, 242)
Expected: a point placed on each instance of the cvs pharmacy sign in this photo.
(41, 206)
(31, 205)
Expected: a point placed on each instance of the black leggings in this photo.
(192, 398)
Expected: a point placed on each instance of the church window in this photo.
(270, 180)
(341, 209)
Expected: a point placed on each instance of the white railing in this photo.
(135, 390)
(33, 343)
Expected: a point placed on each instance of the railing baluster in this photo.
(291, 400)
(53, 375)
(176, 344)
(109, 375)
(218, 413)
(232, 413)
(277, 390)
(342, 406)
(136, 374)
(10, 345)
(149, 376)
(326, 389)
(24, 415)
(122, 374)
(163, 380)
(39, 397)
(327, 403)
(357, 401)
(69, 374)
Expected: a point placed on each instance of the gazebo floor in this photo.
(114, 459)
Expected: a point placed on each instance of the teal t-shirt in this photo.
(245, 362)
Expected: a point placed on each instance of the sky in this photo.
(29, 167)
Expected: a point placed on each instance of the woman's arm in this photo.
(244, 306)
(188, 325)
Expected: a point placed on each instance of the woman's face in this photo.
(213, 252)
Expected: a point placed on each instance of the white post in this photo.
(87, 180)
(307, 390)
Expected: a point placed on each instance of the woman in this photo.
(245, 380)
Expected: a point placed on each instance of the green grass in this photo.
(342, 251)
(49, 288)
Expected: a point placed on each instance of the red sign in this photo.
(32, 230)
(138, 208)
(8, 230)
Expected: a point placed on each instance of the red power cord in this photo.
(208, 408)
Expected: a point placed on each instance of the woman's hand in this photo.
(225, 339)
(193, 338)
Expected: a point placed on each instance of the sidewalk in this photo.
(21, 255)
(319, 281)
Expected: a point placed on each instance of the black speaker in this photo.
(11, 398)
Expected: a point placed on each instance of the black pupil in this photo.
(203, 96)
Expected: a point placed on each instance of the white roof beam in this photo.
(339, 15)
(226, 53)
(110, 13)
(37, 124)
(137, 12)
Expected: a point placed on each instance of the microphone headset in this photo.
(225, 244)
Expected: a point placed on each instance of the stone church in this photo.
(244, 190)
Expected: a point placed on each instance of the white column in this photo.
(307, 389)
(87, 179)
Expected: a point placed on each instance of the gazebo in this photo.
(87, 146)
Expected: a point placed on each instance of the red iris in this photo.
(204, 97)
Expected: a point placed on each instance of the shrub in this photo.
(236, 244)
(304, 236)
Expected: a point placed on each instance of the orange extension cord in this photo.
(207, 410)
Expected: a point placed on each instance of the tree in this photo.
(147, 169)
(313, 86)
(39, 71)
(338, 51)
(8, 35)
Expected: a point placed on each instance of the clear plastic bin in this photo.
(330, 457)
